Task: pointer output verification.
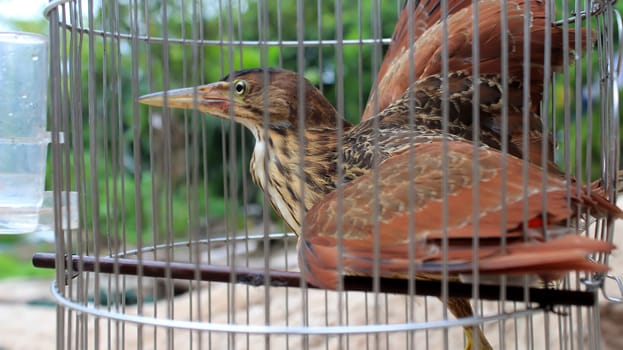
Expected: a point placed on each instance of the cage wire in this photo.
(177, 248)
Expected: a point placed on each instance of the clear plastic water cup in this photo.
(24, 77)
(23, 136)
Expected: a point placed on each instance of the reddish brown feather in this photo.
(425, 14)
(393, 77)
(319, 254)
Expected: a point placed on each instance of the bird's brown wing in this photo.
(424, 14)
(426, 55)
(407, 210)
(425, 97)
(428, 95)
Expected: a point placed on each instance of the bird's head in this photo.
(251, 97)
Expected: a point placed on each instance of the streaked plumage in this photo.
(423, 49)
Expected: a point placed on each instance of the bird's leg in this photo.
(461, 308)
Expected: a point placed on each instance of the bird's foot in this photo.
(483, 343)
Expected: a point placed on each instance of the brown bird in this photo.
(421, 51)
(271, 112)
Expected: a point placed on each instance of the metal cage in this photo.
(177, 248)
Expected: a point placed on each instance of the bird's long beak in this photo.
(211, 98)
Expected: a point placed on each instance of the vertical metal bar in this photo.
(154, 188)
(376, 49)
(230, 143)
(589, 95)
(566, 90)
(578, 91)
(169, 210)
(285, 241)
(515, 329)
(547, 73)
(608, 116)
(526, 112)
(244, 165)
(280, 31)
(136, 156)
(208, 256)
(226, 195)
(232, 166)
(74, 81)
(563, 330)
(360, 46)
(411, 314)
(189, 67)
(445, 106)
(57, 150)
(75, 48)
(360, 100)
(376, 268)
(300, 69)
(530, 331)
(547, 335)
(103, 137)
(589, 84)
(338, 23)
(93, 153)
(339, 64)
(197, 288)
(476, 157)
(121, 198)
(504, 131)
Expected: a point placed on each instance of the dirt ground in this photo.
(28, 319)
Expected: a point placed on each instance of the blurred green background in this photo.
(199, 192)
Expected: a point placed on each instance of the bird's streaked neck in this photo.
(276, 167)
(270, 170)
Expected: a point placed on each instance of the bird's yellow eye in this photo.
(240, 87)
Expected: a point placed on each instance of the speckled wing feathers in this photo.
(428, 93)
(393, 77)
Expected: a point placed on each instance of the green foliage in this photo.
(186, 160)
(110, 126)
(587, 139)
(13, 265)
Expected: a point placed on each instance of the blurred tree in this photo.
(184, 155)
